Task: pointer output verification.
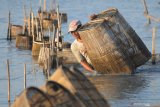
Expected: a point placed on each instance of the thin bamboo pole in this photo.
(58, 29)
(49, 37)
(57, 46)
(49, 53)
(146, 10)
(37, 31)
(9, 27)
(53, 39)
(33, 25)
(48, 71)
(57, 62)
(24, 76)
(29, 28)
(59, 19)
(24, 12)
(153, 46)
(41, 24)
(44, 8)
(9, 84)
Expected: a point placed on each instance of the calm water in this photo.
(139, 90)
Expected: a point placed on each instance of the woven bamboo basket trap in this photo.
(60, 96)
(52, 95)
(36, 48)
(32, 97)
(112, 44)
(73, 80)
(23, 42)
(16, 30)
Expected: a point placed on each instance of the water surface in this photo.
(139, 90)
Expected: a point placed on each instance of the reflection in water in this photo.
(119, 86)
(129, 90)
(133, 90)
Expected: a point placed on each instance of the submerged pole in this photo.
(146, 10)
(8, 73)
(153, 46)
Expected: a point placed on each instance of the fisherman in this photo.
(78, 48)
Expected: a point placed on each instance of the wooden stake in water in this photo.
(24, 76)
(146, 10)
(9, 27)
(153, 46)
(8, 72)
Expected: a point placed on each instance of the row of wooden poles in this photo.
(9, 38)
(31, 23)
(56, 30)
(154, 29)
(9, 80)
(31, 32)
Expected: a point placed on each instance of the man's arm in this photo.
(80, 58)
(86, 66)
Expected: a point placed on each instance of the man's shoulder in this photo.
(74, 43)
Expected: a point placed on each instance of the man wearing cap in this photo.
(77, 47)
